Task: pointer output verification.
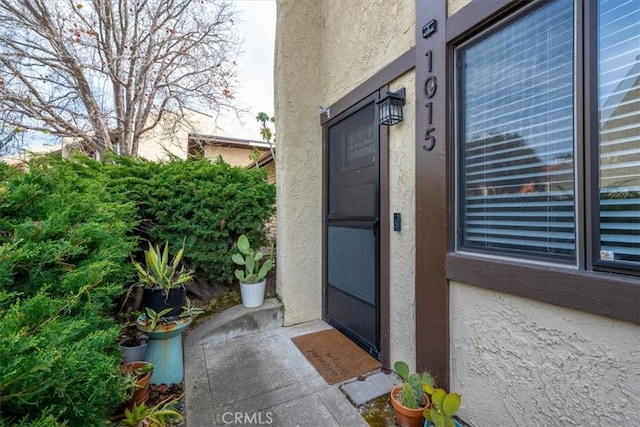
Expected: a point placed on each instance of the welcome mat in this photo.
(335, 356)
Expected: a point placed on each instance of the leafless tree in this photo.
(106, 71)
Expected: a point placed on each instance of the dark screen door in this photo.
(353, 228)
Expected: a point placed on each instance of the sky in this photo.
(256, 21)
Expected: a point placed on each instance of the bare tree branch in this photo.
(105, 70)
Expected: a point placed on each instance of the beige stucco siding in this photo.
(359, 37)
(402, 245)
(232, 155)
(518, 361)
(171, 136)
(324, 50)
(298, 159)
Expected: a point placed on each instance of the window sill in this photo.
(610, 295)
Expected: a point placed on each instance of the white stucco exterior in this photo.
(522, 362)
(515, 361)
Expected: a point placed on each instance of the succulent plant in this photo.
(413, 394)
(159, 272)
(443, 407)
(253, 272)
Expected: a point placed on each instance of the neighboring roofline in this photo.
(263, 160)
(226, 141)
(184, 107)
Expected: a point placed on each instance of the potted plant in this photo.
(163, 281)
(140, 375)
(133, 344)
(161, 415)
(409, 400)
(252, 276)
(443, 407)
(165, 341)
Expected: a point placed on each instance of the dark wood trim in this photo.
(385, 256)
(387, 74)
(602, 292)
(476, 13)
(583, 151)
(325, 208)
(340, 109)
(609, 295)
(432, 228)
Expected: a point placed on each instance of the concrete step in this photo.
(237, 321)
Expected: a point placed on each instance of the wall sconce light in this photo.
(390, 107)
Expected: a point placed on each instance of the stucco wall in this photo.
(232, 155)
(298, 160)
(402, 246)
(172, 137)
(521, 362)
(359, 37)
(324, 50)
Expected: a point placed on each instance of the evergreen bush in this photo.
(210, 204)
(64, 258)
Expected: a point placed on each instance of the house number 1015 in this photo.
(430, 86)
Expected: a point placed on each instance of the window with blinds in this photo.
(515, 132)
(619, 130)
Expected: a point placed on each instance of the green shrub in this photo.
(64, 258)
(208, 204)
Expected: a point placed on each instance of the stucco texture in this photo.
(521, 362)
(324, 50)
(298, 160)
(402, 180)
(359, 37)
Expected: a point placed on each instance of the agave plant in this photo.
(253, 272)
(159, 272)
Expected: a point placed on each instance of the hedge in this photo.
(64, 258)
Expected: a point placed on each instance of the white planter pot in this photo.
(253, 294)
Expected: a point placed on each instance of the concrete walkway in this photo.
(241, 368)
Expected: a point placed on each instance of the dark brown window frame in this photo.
(601, 293)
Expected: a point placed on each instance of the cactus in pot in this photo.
(253, 276)
(250, 259)
(413, 396)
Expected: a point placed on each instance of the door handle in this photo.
(376, 228)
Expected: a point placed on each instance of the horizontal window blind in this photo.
(619, 125)
(515, 134)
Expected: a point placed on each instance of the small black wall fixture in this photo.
(390, 107)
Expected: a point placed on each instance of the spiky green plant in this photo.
(413, 396)
(253, 272)
(155, 317)
(159, 272)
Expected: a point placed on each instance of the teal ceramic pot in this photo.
(164, 350)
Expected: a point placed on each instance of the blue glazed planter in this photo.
(165, 349)
(430, 424)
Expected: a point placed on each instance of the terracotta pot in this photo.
(141, 393)
(406, 417)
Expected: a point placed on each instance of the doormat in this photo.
(335, 356)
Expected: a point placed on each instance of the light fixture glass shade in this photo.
(390, 108)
